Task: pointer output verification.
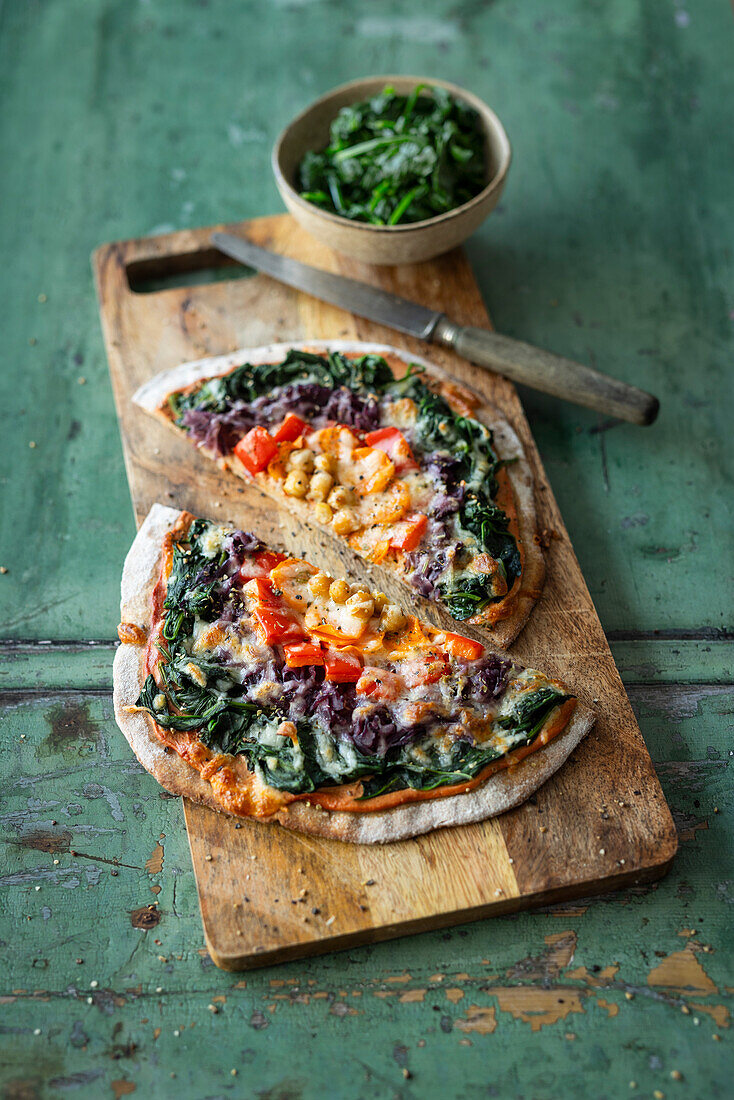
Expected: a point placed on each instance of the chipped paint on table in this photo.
(610, 242)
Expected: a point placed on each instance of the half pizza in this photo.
(257, 684)
(412, 471)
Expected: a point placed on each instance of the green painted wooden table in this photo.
(125, 118)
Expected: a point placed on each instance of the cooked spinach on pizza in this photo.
(258, 684)
(405, 467)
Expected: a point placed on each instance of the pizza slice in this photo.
(259, 685)
(404, 466)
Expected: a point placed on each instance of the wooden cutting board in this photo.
(267, 894)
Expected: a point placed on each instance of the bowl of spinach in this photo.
(392, 169)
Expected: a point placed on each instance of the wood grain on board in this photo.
(267, 894)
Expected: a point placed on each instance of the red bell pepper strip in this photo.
(428, 668)
(290, 429)
(256, 450)
(341, 667)
(263, 591)
(459, 646)
(299, 654)
(409, 533)
(260, 564)
(276, 627)
(380, 684)
(268, 559)
(395, 445)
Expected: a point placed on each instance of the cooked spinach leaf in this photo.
(398, 158)
(197, 709)
(465, 596)
(530, 711)
(466, 762)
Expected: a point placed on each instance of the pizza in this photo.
(254, 682)
(409, 469)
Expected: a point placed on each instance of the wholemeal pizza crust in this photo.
(499, 793)
(152, 397)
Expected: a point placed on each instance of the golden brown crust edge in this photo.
(500, 792)
(153, 394)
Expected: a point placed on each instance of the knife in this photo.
(518, 361)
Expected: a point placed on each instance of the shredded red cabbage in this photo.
(427, 566)
(353, 409)
(219, 432)
(305, 399)
(375, 731)
(332, 705)
(225, 598)
(445, 468)
(488, 678)
(444, 506)
(239, 544)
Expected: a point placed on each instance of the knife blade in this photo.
(516, 360)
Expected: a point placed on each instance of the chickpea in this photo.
(391, 618)
(319, 585)
(323, 512)
(301, 460)
(361, 604)
(325, 462)
(345, 521)
(321, 483)
(340, 495)
(339, 591)
(296, 484)
(380, 600)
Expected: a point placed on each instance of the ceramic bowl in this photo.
(385, 244)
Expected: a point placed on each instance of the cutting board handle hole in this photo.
(156, 273)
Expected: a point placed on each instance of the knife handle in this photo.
(549, 373)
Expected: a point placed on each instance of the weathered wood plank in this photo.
(674, 660)
(72, 666)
